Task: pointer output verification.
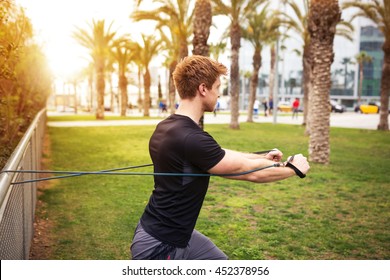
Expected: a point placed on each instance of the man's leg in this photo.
(200, 247)
(143, 244)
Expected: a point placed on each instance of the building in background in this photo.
(344, 70)
(371, 41)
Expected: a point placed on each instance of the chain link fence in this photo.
(18, 201)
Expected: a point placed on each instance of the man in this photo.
(178, 145)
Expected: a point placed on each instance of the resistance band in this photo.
(114, 171)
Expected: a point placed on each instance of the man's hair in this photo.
(195, 70)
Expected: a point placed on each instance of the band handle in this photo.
(297, 171)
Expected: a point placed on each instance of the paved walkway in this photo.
(346, 120)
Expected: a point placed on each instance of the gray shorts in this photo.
(199, 247)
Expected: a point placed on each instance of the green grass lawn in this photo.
(339, 211)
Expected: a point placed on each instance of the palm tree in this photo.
(123, 52)
(217, 49)
(88, 74)
(98, 41)
(378, 12)
(170, 45)
(237, 11)
(362, 58)
(147, 52)
(177, 17)
(262, 29)
(346, 61)
(298, 24)
(109, 72)
(202, 23)
(322, 20)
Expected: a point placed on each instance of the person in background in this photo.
(216, 109)
(256, 105)
(271, 105)
(264, 102)
(295, 108)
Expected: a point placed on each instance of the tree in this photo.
(237, 11)
(172, 58)
(346, 61)
(379, 11)
(262, 29)
(217, 49)
(147, 52)
(176, 16)
(98, 40)
(25, 79)
(88, 74)
(123, 52)
(362, 58)
(298, 23)
(202, 22)
(322, 20)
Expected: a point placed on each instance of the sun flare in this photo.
(55, 21)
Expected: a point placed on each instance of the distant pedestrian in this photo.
(271, 105)
(295, 107)
(256, 108)
(216, 108)
(265, 107)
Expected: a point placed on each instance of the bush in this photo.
(25, 80)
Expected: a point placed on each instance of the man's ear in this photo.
(202, 89)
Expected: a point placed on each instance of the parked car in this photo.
(284, 107)
(336, 107)
(370, 108)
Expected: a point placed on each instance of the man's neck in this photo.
(191, 109)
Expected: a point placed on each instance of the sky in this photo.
(54, 21)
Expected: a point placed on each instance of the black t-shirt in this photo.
(178, 145)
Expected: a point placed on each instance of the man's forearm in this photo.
(248, 155)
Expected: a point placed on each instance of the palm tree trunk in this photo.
(147, 83)
(183, 48)
(202, 23)
(100, 87)
(254, 83)
(139, 101)
(90, 87)
(112, 95)
(322, 20)
(361, 78)
(124, 97)
(385, 88)
(75, 97)
(172, 89)
(272, 73)
(235, 36)
(306, 84)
